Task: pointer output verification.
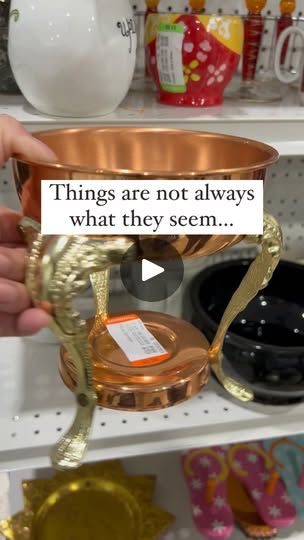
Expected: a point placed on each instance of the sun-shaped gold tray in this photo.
(99, 501)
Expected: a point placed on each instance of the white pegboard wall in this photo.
(217, 6)
(284, 194)
(8, 195)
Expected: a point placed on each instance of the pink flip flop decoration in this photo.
(256, 470)
(206, 473)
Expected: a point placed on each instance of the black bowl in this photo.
(265, 344)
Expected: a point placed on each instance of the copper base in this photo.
(120, 385)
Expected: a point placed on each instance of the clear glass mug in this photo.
(283, 75)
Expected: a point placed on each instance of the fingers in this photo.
(31, 321)
(13, 297)
(15, 140)
(12, 263)
(26, 324)
(16, 315)
(29, 148)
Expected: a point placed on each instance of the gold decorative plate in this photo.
(99, 501)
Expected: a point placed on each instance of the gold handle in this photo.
(257, 278)
(59, 269)
(100, 282)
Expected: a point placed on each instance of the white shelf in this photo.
(35, 404)
(279, 124)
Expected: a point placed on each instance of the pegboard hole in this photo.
(225, 409)
(13, 435)
(36, 432)
(166, 416)
(206, 411)
(145, 419)
(186, 414)
(124, 421)
(103, 424)
(37, 415)
(58, 413)
(59, 429)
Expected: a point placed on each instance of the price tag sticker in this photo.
(169, 45)
(134, 339)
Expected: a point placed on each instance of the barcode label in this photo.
(135, 340)
(169, 44)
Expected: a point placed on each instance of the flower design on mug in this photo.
(205, 46)
(188, 47)
(190, 73)
(216, 75)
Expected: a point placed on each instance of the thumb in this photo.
(30, 148)
(15, 140)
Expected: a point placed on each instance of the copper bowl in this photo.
(145, 153)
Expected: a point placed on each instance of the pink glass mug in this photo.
(283, 75)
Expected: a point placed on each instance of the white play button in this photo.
(150, 270)
(147, 281)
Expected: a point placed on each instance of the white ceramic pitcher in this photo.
(73, 58)
(287, 77)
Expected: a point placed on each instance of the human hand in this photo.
(17, 316)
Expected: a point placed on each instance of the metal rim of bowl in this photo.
(272, 159)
